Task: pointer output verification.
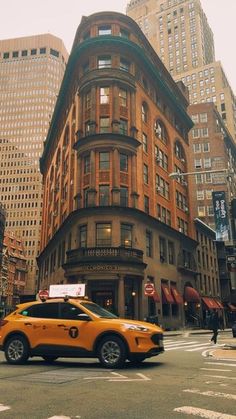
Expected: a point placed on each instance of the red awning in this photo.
(166, 295)
(191, 295)
(177, 297)
(210, 303)
(232, 307)
(220, 305)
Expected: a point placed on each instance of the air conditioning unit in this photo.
(54, 214)
(158, 189)
(184, 183)
(182, 160)
(157, 159)
(157, 131)
(186, 209)
(186, 265)
(180, 230)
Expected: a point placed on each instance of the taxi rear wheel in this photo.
(112, 352)
(17, 350)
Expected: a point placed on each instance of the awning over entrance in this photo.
(191, 295)
(177, 297)
(212, 303)
(232, 307)
(166, 295)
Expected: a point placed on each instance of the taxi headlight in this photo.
(136, 327)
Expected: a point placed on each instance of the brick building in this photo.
(112, 216)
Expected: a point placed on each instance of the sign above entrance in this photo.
(67, 290)
(149, 289)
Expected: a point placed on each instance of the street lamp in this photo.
(175, 175)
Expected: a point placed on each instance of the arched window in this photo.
(179, 151)
(144, 112)
(160, 131)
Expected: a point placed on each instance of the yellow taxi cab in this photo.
(76, 327)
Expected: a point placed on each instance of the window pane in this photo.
(103, 234)
(83, 236)
(126, 235)
(104, 62)
(104, 161)
(123, 196)
(104, 195)
(123, 163)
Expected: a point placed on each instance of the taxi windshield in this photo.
(98, 310)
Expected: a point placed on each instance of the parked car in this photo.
(234, 329)
(76, 327)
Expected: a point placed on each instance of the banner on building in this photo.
(221, 215)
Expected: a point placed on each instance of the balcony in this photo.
(186, 264)
(105, 254)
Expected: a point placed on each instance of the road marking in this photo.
(199, 347)
(211, 394)
(203, 413)
(2, 407)
(214, 369)
(221, 376)
(196, 346)
(220, 363)
(61, 417)
(182, 342)
(142, 378)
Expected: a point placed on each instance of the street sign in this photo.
(149, 289)
(43, 294)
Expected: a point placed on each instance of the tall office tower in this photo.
(180, 34)
(31, 71)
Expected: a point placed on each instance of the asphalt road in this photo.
(180, 383)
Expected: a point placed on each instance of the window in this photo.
(145, 146)
(42, 50)
(87, 164)
(124, 33)
(123, 162)
(34, 51)
(197, 163)
(208, 194)
(203, 117)
(201, 211)
(160, 131)
(54, 52)
(123, 127)
(144, 112)
(6, 55)
(69, 311)
(145, 173)
(197, 148)
(83, 236)
(103, 234)
(86, 67)
(104, 161)
(86, 197)
(210, 211)
(123, 98)
(195, 118)
(208, 178)
(171, 253)
(104, 124)
(124, 64)
(104, 30)
(88, 101)
(104, 61)
(104, 95)
(200, 195)
(15, 54)
(146, 204)
(199, 178)
(205, 147)
(148, 243)
(24, 53)
(104, 195)
(126, 235)
(43, 311)
(162, 249)
(207, 163)
(123, 196)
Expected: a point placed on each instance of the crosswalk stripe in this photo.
(196, 347)
(210, 393)
(220, 363)
(221, 376)
(203, 413)
(214, 369)
(179, 342)
(2, 407)
(203, 346)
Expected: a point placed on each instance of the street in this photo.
(183, 382)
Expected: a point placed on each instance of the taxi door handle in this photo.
(28, 324)
(61, 325)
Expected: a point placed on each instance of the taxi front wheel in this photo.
(112, 352)
(16, 350)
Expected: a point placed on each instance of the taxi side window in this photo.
(42, 311)
(69, 311)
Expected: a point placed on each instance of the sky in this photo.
(61, 18)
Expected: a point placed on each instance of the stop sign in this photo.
(43, 294)
(149, 288)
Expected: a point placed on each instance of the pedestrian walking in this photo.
(214, 325)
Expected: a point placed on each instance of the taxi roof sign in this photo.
(67, 290)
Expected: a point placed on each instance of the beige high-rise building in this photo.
(179, 32)
(31, 71)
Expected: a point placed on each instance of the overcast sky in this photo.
(62, 17)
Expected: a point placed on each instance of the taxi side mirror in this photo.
(84, 317)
